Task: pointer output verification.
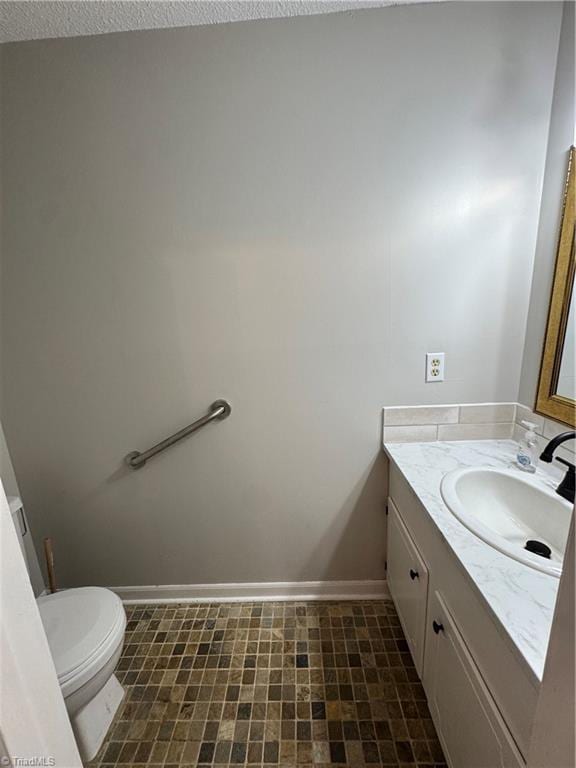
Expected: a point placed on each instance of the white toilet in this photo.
(85, 629)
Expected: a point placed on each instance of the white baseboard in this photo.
(260, 591)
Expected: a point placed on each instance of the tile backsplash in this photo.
(545, 430)
(427, 423)
(477, 421)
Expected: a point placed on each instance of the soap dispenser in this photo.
(527, 454)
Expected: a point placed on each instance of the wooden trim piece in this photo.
(254, 592)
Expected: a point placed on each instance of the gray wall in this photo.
(7, 477)
(561, 137)
(289, 214)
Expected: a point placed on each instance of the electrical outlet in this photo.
(434, 366)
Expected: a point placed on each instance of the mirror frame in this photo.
(548, 402)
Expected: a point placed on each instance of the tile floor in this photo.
(269, 684)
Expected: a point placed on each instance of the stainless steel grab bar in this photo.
(220, 409)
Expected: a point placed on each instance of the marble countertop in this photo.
(521, 598)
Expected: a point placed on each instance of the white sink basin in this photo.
(506, 509)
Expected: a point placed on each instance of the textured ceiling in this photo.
(31, 20)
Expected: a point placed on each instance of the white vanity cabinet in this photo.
(407, 577)
(481, 694)
(473, 733)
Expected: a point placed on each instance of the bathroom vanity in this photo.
(476, 620)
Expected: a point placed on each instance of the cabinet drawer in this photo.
(407, 578)
(510, 682)
(470, 727)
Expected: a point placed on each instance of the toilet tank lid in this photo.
(77, 622)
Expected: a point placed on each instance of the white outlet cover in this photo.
(434, 366)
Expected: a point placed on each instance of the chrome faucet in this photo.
(566, 487)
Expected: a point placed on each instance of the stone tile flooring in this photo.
(269, 684)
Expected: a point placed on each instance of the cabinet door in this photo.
(470, 727)
(407, 578)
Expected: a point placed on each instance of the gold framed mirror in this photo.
(556, 396)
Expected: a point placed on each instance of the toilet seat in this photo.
(84, 627)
